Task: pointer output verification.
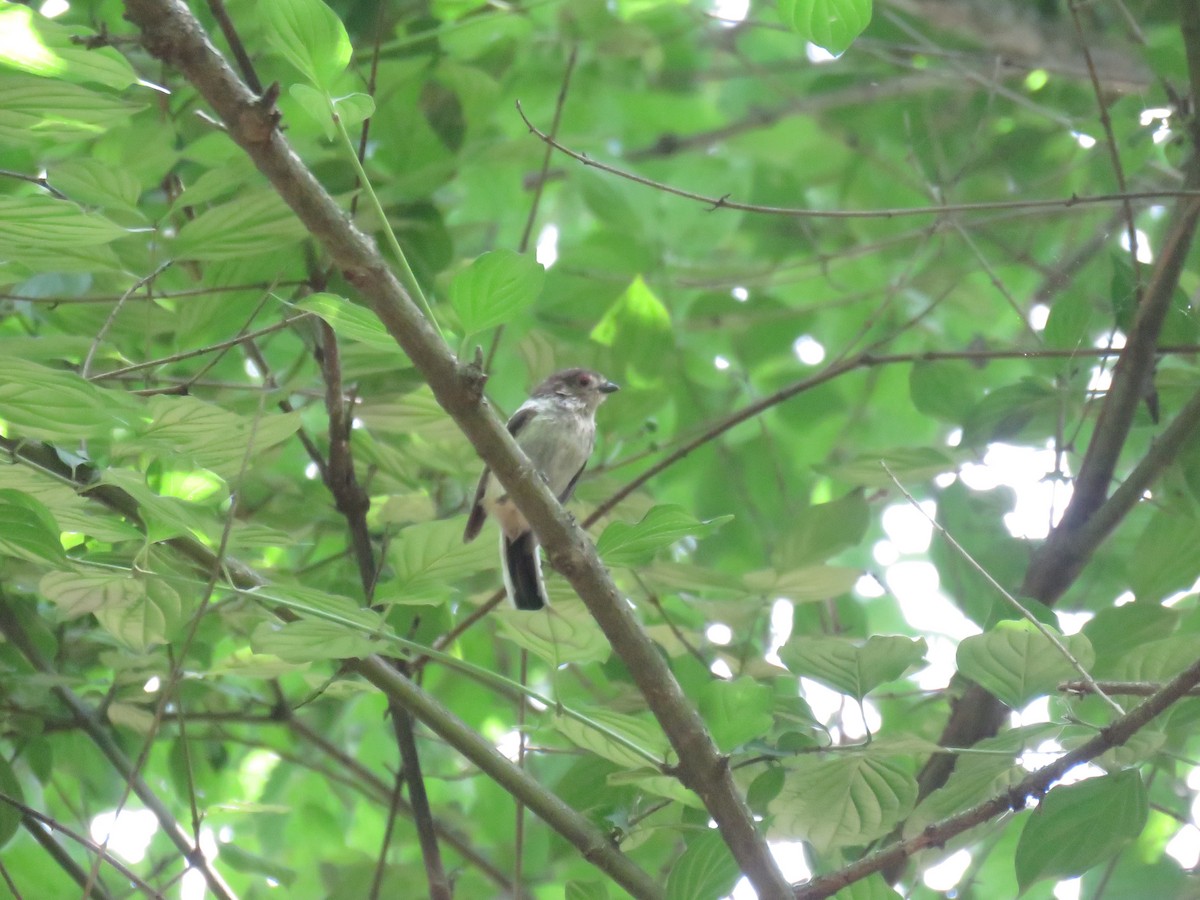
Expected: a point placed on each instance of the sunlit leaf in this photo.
(1016, 663)
(625, 545)
(494, 288)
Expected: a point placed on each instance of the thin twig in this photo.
(723, 202)
(112, 316)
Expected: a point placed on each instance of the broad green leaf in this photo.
(255, 222)
(944, 389)
(427, 557)
(1077, 826)
(705, 870)
(842, 802)
(164, 517)
(496, 288)
(28, 529)
(310, 35)
(73, 514)
(1157, 661)
(598, 736)
(53, 404)
(145, 621)
(655, 782)
(413, 412)
(1006, 412)
(1069, 322)
(1114, 631)
(97, 183)
(309, 640)
(209, 436)
(736, 711)
(910, 464)
(818, 532)
(351, 322)
(567, 634)
(316, 103)
(637, 329)
(1016, 663)
(46, 223)
(1168, 554)
(831, 24)
(354, 109)
(633, 545)
(316, 604)
(80, 593)
(41, 110)
(992, 769)
(851, 668)
(10, 816)
(35, 44)
(803, 585)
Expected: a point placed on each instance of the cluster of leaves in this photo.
(163, 397)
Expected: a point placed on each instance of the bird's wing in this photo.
(475, 520)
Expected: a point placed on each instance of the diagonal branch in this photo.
(172, 34)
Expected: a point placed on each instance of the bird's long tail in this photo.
(523, 572)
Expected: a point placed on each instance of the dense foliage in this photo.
(833, 289)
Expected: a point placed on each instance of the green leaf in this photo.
(842, 802)
(1077, 826)
(256, 222)
(164, 517)
(1068, 325)
(852, 669)
(320, 605)
(805, 585)
(209, 436)
(706, 869)
(496, 288)
(34, 44)
(736, 711)
(414, 412)
(945, 389)
(80, 593)
(310, 640)
(28, 529)
(1016, 663)
(598, 735)
(351, 322)
(821, 531)
(662, 526)
(568, 634)
(909, 464)
(53, 404)
(39, 110)
(143, 622)
(427, 556)
(46, 223)
(310, 36)
(832, 24)
(637, 329)
(98, 184)
(1168, 555)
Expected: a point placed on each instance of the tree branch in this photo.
(172, 34)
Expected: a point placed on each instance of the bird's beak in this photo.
(609, 388)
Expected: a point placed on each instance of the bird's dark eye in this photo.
(585, 380)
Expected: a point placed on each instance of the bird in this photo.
(556, 429)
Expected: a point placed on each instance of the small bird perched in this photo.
(556, 428)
